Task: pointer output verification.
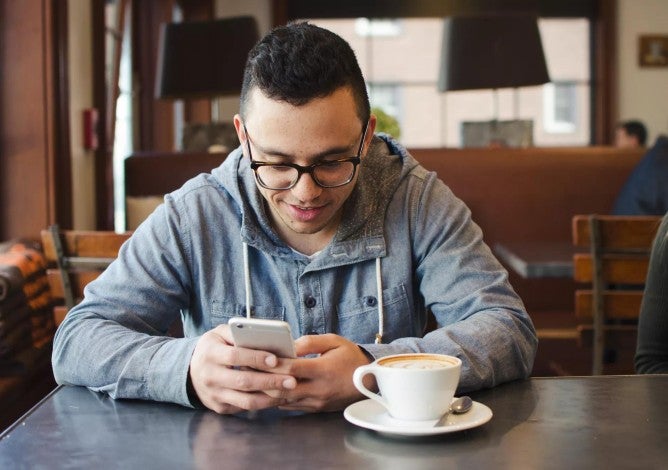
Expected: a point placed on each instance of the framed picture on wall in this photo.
(653, 51)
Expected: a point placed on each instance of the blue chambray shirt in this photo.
(186, 260)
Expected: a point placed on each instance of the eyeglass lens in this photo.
(326, 174)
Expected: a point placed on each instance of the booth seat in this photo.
(516, 195)
(151, 175)
(530, 195)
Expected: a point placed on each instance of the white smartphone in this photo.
(267, 335)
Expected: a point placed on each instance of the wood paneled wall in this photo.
(34, 181)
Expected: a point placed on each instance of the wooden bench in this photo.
(527, 196)
(516, 195)
(151, 175)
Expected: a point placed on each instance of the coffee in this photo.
(412, 386)
(416, 364)
(417, 361)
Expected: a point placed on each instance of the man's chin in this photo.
(305, 228)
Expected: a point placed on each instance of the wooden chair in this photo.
(616, 266)
(77, 257)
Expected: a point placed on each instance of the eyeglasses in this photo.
(326, 174)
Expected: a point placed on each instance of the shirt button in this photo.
(371, 301)
(310, 302)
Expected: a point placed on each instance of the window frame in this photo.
(602, 15)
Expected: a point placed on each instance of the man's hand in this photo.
(325, 382)
(228, 379)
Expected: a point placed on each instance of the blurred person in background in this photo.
(646, 189)
(630, 134)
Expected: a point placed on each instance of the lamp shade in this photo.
(491, 51)
(204, 58)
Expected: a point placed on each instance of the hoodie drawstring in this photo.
(379, 292)
(381, 312)
(247, 283)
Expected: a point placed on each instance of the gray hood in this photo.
(381, 171)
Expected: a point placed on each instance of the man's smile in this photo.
(304, 213)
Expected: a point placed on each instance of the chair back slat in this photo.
(625, 233)
(78, 280)
(617, 305)
(620, 269)
(77, 257)
(78, 243)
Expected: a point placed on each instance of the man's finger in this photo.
(316, 344)
(255, 381)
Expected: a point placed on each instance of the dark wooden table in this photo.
(537, 260)
(581, 422)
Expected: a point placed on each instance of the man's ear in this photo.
(241, 133)
(370, 129)
(239, 127)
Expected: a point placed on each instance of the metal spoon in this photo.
(459, 406)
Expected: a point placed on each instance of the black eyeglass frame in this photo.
(310, 169)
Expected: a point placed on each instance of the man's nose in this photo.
(306, 188)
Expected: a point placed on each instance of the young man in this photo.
(630, 134)
(321, 215)
(645, 191)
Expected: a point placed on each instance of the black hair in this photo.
(299, 62)
(635, 128)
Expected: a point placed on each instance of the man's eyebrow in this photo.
(330, 151)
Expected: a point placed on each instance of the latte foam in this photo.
(417, 364)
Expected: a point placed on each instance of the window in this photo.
(560, 107)
(119, 86)
(375, 27)
(386, 96)
(400, 60)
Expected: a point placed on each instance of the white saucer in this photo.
(370, 414)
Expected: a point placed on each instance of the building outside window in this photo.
(400, 61)
(560, 107)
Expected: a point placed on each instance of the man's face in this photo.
(323, 129)
(624, 140)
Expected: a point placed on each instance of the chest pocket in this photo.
(222, 311)
(358, 318)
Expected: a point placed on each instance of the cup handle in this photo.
(358, 377)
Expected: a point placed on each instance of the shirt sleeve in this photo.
(117, 343)
(480, 318)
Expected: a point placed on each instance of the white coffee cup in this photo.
(412, 386)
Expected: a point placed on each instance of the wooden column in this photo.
(35, 178)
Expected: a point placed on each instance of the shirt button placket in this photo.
(311, 311)
(310, 302)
